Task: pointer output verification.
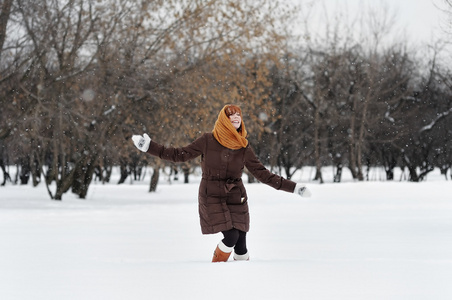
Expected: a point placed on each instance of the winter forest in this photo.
(79, 77)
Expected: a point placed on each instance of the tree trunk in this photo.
(318, 163)
(389, 173)
(186, 171)
(251, 178)
(287, 168)
(389, 165)
(52, 172)
(338, 175)
(5, 174)
(424, 172)
(413, 174)
(64, 184)
(88, 176)
(337, 160)
(352, 142)
(83, 176)
(36, 171)
(355, 149)
(24, 170)
(124, 171)
(107, 176)
(361, 137)
(154, 179)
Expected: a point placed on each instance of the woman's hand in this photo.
(142, 142)
(302, 190)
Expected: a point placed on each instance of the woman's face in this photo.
(236, 120)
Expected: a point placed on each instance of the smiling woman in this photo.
(222, 198)
(235, 115)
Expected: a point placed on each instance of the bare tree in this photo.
(210, 58)
(5, 11)
(59, 41)
(448, 11)
(101, 70)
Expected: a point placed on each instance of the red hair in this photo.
(232, 109)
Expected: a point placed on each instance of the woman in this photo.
(222, 197)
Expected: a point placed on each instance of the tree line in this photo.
(79, 77)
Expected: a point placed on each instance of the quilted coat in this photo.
(222, 196)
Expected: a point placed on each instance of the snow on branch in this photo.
(433, 123)
(393, 108)
(113, 107)
(388, 117)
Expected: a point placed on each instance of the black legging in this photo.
(237, 239)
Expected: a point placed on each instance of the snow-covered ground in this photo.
(354, 240)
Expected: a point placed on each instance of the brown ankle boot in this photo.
(221, 253)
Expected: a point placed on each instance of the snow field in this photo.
(367, 240)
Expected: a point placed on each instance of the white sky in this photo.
(420, 21)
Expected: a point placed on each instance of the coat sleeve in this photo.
(259, 171)
(186, 153)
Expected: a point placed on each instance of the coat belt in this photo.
(229, 183)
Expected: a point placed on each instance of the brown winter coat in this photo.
(222, 196)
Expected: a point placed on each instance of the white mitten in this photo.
(142, 142)
(302, 190)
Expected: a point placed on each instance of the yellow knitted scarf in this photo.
(225, 133)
